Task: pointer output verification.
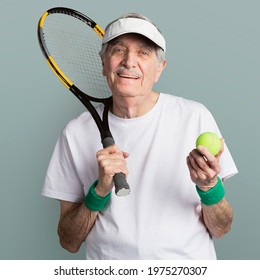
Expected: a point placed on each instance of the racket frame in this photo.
(121, 186)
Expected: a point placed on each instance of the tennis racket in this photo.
(70, 42)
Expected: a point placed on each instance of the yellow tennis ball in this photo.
(211, 141)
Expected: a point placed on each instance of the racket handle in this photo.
(121, 186)
(108, 141)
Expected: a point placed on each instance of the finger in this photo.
(114, 159)
(198, 160)
(192, 159)
(125, 154)
(200, 178)
(196, 172)
(205, 169)
(110, 170)
(108, 150)
(210, 160)
(193, 173)
(205, 152)
(112, 150)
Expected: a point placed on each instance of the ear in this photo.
(161, 67)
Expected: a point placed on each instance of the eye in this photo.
(117, 50)
(144, 52)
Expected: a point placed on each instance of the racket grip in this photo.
(121, 186)
(108, 141)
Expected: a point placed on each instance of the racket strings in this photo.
(74, 46)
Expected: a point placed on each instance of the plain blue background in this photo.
(213, 57)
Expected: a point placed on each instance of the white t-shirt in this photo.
(161, 217)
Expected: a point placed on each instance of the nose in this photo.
(129, 60)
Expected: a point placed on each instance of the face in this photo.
(131, 66)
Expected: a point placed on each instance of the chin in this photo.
(125, 93)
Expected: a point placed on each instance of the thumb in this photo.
(222, 148)
(125, 154)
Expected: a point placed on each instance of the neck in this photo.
(133, 107)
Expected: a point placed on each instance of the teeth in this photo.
(127, 76)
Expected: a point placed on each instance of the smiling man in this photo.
(177, 202)
(131, 67)
(132, 64)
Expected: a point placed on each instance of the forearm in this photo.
(74, 227)
(204, 169)
(218, 218)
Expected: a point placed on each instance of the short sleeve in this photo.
(62, 181)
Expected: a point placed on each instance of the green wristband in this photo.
(95, 202)
(213, 195)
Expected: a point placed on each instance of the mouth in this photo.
(126, 76)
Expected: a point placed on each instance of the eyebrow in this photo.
(149, 45)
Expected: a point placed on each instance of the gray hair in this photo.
(159, 52)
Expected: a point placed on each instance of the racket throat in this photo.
(106, 136)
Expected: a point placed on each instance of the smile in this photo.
(128, 76)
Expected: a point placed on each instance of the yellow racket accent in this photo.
(62, 77)
(99, 31)
(42, 19)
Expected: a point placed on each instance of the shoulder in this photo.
(81, 122)
(183, 104)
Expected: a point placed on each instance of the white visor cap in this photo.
(134, 25)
